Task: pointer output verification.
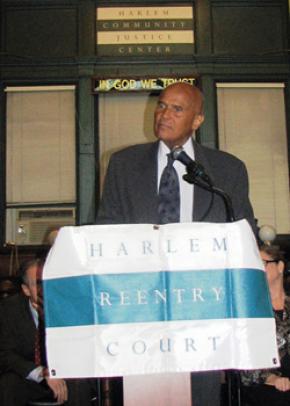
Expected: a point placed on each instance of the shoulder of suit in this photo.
(12, 302)
(219, 155)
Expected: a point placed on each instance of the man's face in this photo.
(33, 285)
(177, 115)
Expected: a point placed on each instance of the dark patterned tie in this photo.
(169, 195)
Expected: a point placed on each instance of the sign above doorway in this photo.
(145, 31)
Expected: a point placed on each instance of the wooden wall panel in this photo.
(250, 30)
(41, 32)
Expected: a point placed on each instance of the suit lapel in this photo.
(149, 185)
(26, 324)
(202, 198)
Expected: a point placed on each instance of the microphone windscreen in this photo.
(180, 155)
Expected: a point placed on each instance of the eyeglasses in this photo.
(270, 261)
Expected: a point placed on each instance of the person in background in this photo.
(138, 179)
(271, 387)
(23, 371)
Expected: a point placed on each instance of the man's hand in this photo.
(280, 383)
(59, 388)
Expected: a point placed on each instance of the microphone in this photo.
(193, 168)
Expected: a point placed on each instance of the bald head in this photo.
(179, 112)
(190, 92)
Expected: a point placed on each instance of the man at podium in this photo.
(145, 184)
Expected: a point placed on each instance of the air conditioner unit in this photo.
(34, 225)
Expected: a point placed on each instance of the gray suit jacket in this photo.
(130, 191)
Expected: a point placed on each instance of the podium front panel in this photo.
(157, 390)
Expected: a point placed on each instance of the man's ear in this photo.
(197, 121)
(25, 290)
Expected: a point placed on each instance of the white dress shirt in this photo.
(186, 189)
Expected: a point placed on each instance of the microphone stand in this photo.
(193, 177)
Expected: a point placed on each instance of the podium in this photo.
(153, 304)
(157, 390)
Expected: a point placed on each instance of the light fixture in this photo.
(267, 234)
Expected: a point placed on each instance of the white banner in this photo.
(141, 299)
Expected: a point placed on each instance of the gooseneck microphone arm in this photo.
(196, 175)
(225, 197)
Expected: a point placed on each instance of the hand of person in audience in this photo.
(281, 383)
(59, 388)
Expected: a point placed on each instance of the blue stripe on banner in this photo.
(156, 296)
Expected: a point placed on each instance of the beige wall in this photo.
(252, 126)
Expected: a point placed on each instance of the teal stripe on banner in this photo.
(156, 296)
